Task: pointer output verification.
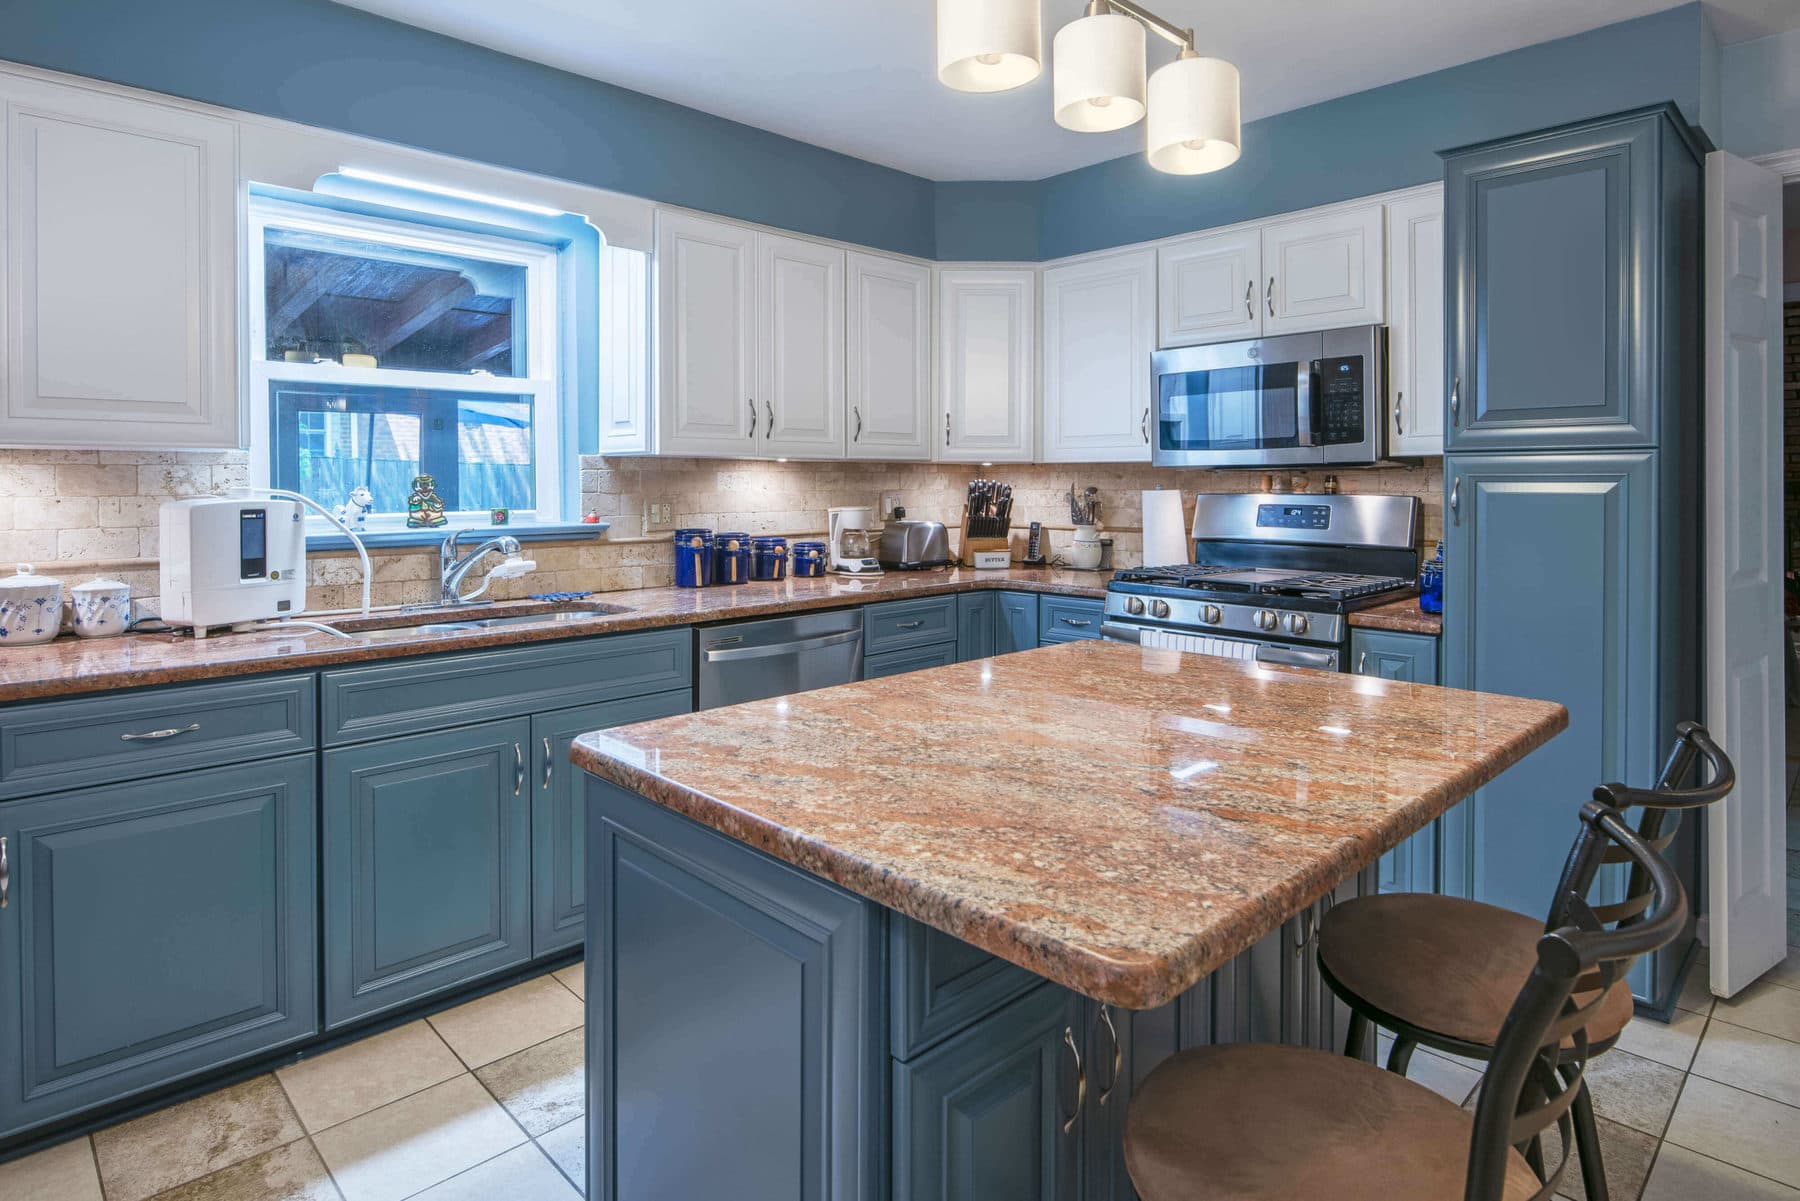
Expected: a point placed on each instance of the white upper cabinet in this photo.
(706, 337)
(121, 220)
(1099, 332)
(1415, 271)
(1323, 270)
(987, 319)
(1209, 287)
(800, 348)
(887, 343)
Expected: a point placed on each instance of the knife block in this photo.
(973, 544)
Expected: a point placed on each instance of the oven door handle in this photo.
(1112, 631)
(1287, 656)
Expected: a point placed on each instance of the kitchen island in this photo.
(917, 937)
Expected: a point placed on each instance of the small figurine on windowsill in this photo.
(591, 517)
(424, 508)
(499, 517)
(354, 512)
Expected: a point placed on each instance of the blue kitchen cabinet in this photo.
(977, 625)
(1566, 295)
(153, 931)
(1413, 658)
(558, 816)
(427, 865)
(1068, 619)
(941, 985)
(1017, 628)
(901, 625)
(894, 663)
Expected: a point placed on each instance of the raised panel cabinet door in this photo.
(1557, 288)
(994, 1114)
(706, 334)
(1415, 250)
(1391, 655)
(154, 930)
(1549, 593)
(1323, 270)
(887, 347)
(977, 625)
(1099, 332)
(427, 865)
(800, 348)
(987, 333)
(121, 239)
(918, 658)
(1018, 627)
(1209, 288)
(558, 814)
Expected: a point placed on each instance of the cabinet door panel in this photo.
(1323, 271)
(706, 334)
(896, 663)
(155, 930)
(427, 865)
(121, 235)
(1018, 628)
(1415, 247)
(977, 625)
(986, 394)
(887, 343)
(1210, 288)
(800, 348)
(1099, 326)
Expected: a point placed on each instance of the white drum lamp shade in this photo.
(1098, 64)
(1194, 124)
(988, 45)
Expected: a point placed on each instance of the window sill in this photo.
(384, 539)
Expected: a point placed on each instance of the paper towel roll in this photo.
(1165, 531)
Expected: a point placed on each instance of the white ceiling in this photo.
(858, 76)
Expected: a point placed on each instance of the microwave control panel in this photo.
(1339, 400)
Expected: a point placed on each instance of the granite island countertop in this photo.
(1120, 820)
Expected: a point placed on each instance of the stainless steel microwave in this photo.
(1299, 400)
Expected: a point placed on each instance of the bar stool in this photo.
(1442, 972)
(1275, 1123)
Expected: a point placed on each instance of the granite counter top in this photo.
(1403, 616)
(70, 666)
(1120, 820)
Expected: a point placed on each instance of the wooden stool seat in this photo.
(1445, 966)
(1260, 1122)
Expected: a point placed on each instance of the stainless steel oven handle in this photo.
(1285, 656)
(738, 654)
(1112, 631)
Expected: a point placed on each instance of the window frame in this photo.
(543, 322)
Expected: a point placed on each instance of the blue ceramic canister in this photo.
(809, 559)
(693, 558)
(731, 558)
(1431, 583)
(768, 558)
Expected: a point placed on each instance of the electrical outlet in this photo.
(889, 502)
(659, 515)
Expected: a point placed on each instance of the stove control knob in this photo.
(1159, 608)
(1210, 615)
(1265, 619)
(1296, 623)
(1135, 605)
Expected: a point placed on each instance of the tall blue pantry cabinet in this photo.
(1571, 477)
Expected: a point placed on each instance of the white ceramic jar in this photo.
(30, 608)
(102, 608)
(1084, 548)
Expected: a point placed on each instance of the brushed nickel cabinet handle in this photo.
(909, 625)
(158, 735)
(1118, 1055)
(1362, 663)
(1399, 399)
(1080, 1081)
(548, 762)
(1455, 397)
(1075, 621)
(1144, 426)
(1250, 299)
(769, 429)
(857, 436)
(5, 873)
(751, 401)
(1456, 501)
(946, 429)
(1271, 296)
(518, 769)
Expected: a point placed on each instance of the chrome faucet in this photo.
(452, 570)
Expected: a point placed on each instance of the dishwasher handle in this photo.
(774, 649)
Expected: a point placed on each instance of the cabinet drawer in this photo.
(1062, 618)
(360, 703)
(894, 625)
(941, 985)
(896, 663)
(129, 735)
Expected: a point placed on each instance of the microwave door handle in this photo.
(1303, 402)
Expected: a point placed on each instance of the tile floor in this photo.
(485, 1102)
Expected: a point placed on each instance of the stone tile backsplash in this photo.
(79, 513)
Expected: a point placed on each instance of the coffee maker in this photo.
(848, 534)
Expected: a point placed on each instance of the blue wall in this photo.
(1760, 95)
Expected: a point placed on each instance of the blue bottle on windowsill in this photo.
(1431, 583)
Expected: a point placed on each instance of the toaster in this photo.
(913, 545)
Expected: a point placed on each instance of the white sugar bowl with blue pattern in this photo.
(30, 608)
(102, 608)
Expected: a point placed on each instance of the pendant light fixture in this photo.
(988, 45)
(1194, 125)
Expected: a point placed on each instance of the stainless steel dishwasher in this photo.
(755, 659)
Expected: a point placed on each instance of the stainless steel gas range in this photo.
(1274, 578)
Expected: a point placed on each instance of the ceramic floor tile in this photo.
(1682, 1175)
(567, 1146)
(1634, 1091)
(1626, 1154)
(1672, 1043)
(173, 1146)
(62, 1173)
(543, 1087)
(1696, 995)
(574, 978)
(412, 1144)
(1746, 1059)
(494, 1026)
(1739, 1128)
(291, 1173)
(367, 1074)
(1764, 1006)
(1787, 972)
(522, 1174)
(1449, 1080)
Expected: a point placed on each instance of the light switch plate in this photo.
(889, 502)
